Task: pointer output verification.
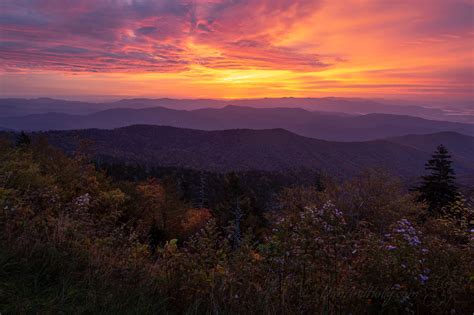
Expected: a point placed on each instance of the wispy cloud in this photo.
(298, 42)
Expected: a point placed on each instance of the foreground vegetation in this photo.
(73, 240)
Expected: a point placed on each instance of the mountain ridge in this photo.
(246, 149)
(354, 106)
(334, 127)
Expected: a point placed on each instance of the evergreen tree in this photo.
(438, 188)
(233, 207)
(22, 140)
(202, 200)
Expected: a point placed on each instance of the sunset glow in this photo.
(238, 48)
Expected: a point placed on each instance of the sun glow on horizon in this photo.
(238, 49)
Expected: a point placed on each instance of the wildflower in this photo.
(391, 247)
(82, 201)
(408, 232)
(423, 278)
(414, 240)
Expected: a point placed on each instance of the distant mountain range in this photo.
(272, 149)
(10, 107)
(320, 125)
(354, 106)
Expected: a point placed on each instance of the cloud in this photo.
(69, 50)
(344, 41)
(146, 30)
(91, 31)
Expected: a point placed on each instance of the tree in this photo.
(202, 200)
(22, 140)
(438, 188)
(233, 207)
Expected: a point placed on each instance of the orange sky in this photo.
(238, 48)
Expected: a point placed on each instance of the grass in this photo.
(51, 281)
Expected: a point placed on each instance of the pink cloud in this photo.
(305, 36)
(131, 35)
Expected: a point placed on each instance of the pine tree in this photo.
(22, 140)
(438, 188)
(236, 194)
(202, 200)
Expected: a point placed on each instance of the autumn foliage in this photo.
(75, 241)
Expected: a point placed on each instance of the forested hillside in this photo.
(270, 150)
(320, 125)
(75, 240)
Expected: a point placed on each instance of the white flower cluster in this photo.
(326, 215)
(411, 235)
(83, 201)
(408, 232)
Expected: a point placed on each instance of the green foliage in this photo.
(438, 188)
(74, 241)
(23, 140)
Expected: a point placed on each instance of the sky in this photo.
(415, 49)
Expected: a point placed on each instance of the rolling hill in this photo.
(12, 107)
(458, 112)
(321, 125)
(272, 149)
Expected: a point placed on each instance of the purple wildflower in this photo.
(423, 278)
(408, 232)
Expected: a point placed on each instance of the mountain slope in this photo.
(461, 145)
(459, 112)
(336, 127)
(274, 149)
(10, 107)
